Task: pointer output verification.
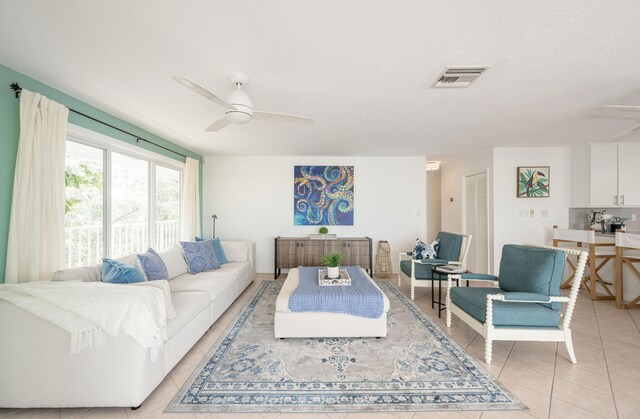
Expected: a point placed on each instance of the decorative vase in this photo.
(333, 272)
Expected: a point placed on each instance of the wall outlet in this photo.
(532, 213)
(633, 217)
(544, 213)
(524, 213)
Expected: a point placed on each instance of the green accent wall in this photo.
(10, 131)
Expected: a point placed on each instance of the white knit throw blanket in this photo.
(86, 310)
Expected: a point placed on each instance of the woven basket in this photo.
(383, 260)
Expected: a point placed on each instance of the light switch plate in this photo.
(544, 213)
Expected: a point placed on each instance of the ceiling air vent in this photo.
(459, 76)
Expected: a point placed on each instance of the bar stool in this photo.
(627, 253)
(599, 255)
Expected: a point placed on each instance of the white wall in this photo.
(253, 199)
(509, 226)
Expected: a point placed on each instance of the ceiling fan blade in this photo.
(218, 125)
(623, 108)
(281, 117)
(626, 131)
(200, 90)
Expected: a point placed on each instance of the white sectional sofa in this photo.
(36, 369)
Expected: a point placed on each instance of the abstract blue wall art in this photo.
(323, 195)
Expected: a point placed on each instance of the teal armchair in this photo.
(527, 304)
(453, 251)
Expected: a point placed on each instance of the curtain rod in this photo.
(17, 90)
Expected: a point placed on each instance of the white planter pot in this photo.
(333, 272)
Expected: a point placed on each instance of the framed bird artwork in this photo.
(533, 182)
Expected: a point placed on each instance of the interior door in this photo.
(476, 217)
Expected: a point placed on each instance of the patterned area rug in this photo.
(415, 368)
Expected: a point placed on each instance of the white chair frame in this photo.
(416, 283)
(490, 333)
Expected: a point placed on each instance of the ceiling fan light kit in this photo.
(238, 107)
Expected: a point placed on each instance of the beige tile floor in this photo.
(604, 383)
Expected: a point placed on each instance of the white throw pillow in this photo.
(173, 258)
(236, 251)
(91, 273)
(163, 285)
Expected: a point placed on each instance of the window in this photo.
(132, 195)
(129, 205)
(167, 207)
(84, 205)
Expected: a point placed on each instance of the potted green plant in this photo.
(323, 230)
(332, 262)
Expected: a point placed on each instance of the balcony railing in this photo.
(85, 245)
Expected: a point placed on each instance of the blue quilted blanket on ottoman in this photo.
(362, 298)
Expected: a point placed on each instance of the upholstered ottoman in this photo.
(288, 324)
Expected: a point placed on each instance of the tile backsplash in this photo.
(578, 217)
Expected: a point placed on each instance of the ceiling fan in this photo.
(624, 108)
(238, 108)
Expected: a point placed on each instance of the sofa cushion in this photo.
(530, 269)
(474, 302)
(118, 272)
(215, 283)
(163, 285)
(173, 259)
(200, 256)
(424, 270)
(238, 268)
(236, 251)
(187, 305)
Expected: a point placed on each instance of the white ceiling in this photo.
(362, 69)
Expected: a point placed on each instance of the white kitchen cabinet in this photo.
(603, 174)
(614, 174)
(629, 174)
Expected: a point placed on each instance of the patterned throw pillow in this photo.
(153, 265)
(419, 250)
(431, 250)
(200, 256)
(425, 251)
(118, 272)
(217, 247)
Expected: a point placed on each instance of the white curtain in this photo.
(190, 212)
(36, 228)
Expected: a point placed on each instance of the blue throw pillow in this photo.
(200, 256)
(117, 272)
(153, 266)
(217, 247)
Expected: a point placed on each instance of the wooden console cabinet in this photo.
(291, 252)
